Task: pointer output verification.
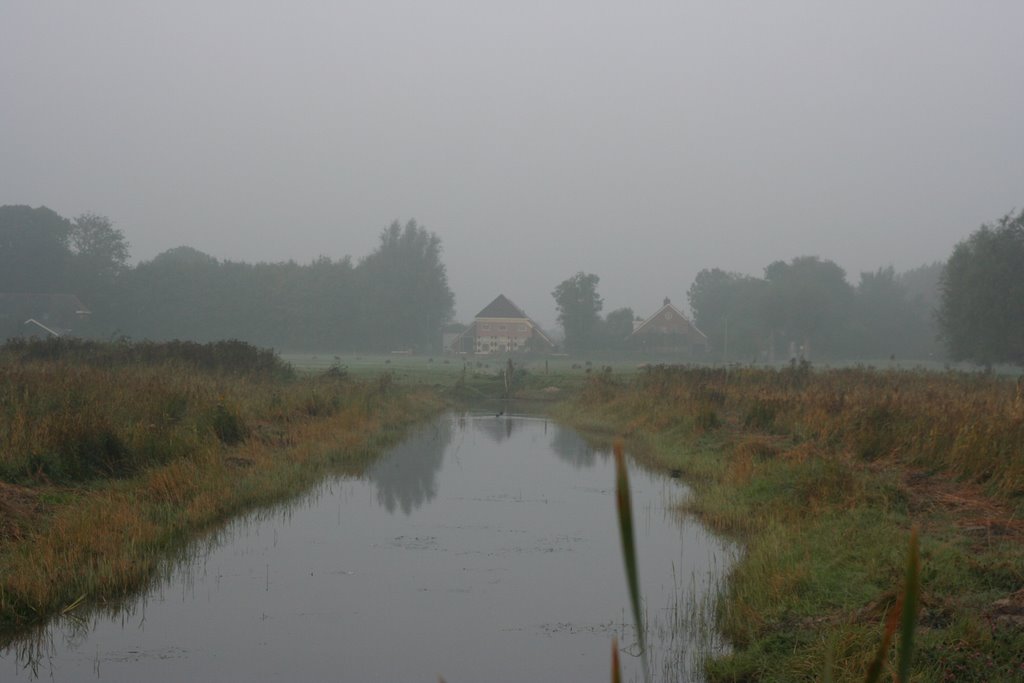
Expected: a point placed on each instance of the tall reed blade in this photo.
(616, 672)
(875, 669)
(902, 615)
(911, 597)
(625, 510)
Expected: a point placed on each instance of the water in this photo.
(480, 549)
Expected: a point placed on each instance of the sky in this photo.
(641, 142)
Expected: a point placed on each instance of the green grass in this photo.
(826, 521)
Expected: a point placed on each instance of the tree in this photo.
(981, 314)
(34, 253)
(730, 309)
(810, 301)
(618, 325)
(403, 286)
(579, 306)
(100, 254)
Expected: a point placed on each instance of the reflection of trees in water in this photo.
(570, 447)
(407, 476)
(498, 428)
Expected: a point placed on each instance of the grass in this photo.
(822, 476)
(112, 458)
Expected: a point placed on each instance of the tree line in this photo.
(397, 297)
(969, 308)
(798, 308)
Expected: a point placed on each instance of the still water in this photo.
(482, 548)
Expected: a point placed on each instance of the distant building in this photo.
(668, 332)
(501, 327)
(39, 315)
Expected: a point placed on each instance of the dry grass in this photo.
(106, 468)
(822, 475)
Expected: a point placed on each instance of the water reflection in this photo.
(505, 565)
(570, 447)
(407, 476)
(499, 427)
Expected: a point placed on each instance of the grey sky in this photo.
(638, 141)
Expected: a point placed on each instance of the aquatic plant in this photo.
(624, 508)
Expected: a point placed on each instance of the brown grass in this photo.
(106, 469)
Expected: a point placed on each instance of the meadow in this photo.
(112, 457)
(822, 476)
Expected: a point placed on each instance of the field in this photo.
(822, 475)
(112, 458)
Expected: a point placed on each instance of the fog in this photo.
(536, 139)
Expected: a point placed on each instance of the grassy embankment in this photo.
(113, 456)
(822, 476)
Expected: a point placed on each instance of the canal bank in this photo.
(481, 547)
(820, 476)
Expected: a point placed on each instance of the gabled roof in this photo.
(667, 306)
(501, 307)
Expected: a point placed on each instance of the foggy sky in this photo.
(638, 141)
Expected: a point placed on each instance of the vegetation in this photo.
(579, 307)
(808, 302)
(43, 252)
(113, 455)
(982, 311)
(822, 476)
(186, 294)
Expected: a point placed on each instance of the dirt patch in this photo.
(1008, 612)
(972, 510)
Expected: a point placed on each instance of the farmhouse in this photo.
(41, 315)
(501, 327)
(668, 332)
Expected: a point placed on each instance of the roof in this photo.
(501, 307)
(668, 305)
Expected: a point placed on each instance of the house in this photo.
(39, 315)
(668, 332)
(501, 327)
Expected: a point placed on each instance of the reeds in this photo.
(971, 426)
(624, 509)
(821, 475)
(128, 458)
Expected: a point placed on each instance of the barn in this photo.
(668, 332)
(501, 327)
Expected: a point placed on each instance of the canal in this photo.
(482, 548)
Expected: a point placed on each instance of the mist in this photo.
(643, 145)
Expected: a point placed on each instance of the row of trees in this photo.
(970, 308)
(807, 303)
(397, 297)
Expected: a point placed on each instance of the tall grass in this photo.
(971, 426)
(822, 475)
(110, 456)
